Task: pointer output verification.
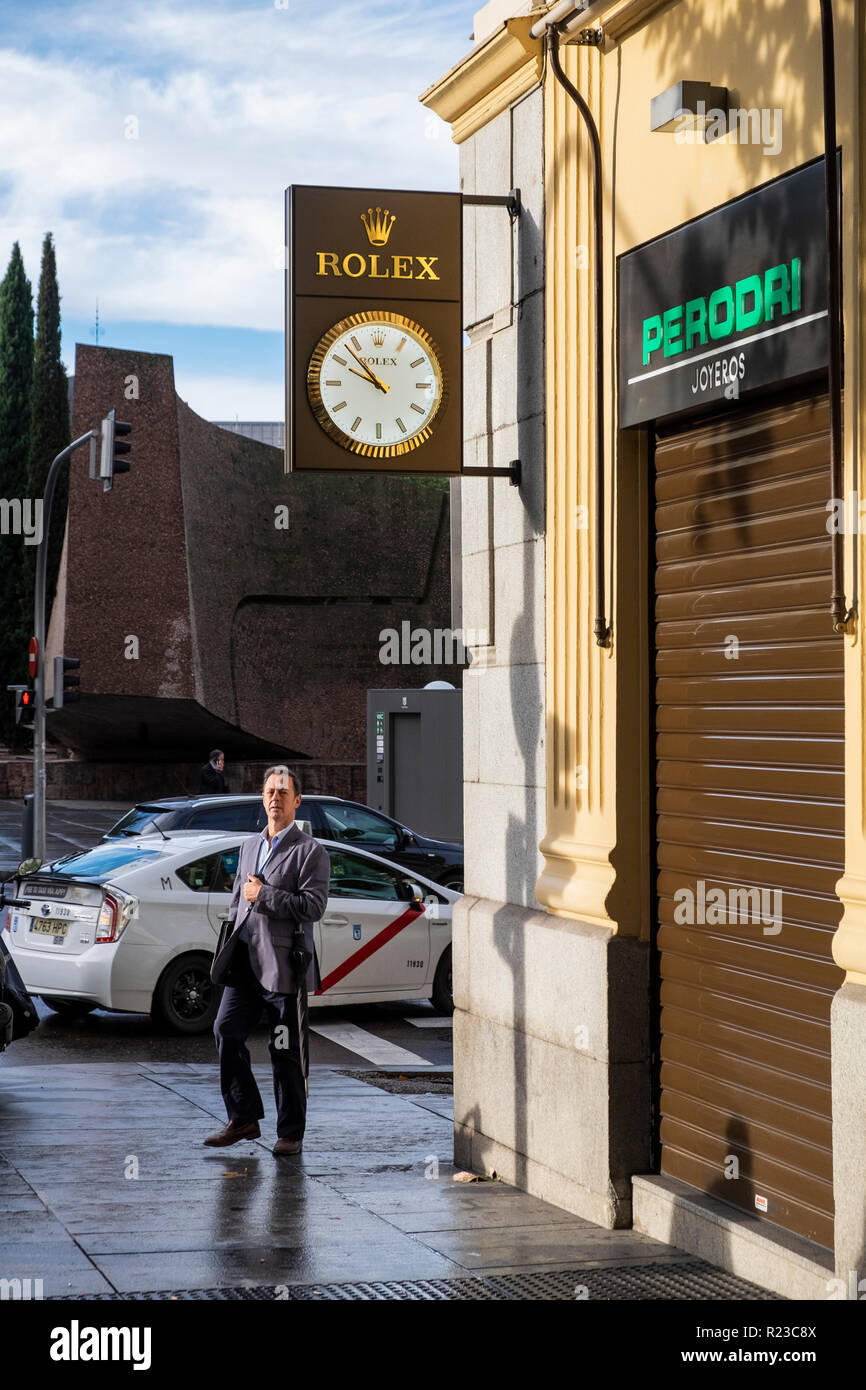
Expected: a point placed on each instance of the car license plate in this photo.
(46, 926)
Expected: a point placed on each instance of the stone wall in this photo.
(550, 1047)
(499, 930)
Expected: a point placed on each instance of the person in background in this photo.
(212, 778)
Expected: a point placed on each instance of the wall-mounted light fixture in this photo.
(688, 106)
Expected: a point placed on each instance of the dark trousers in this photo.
(238, 1014)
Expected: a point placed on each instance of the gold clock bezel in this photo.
(314, 393)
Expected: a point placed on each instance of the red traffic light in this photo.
(25, 704)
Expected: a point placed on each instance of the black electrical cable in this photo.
(839, 613)
(602, 627)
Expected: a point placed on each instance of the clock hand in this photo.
(372, 375)
(374, 381)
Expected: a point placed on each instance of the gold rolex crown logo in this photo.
(378, 339)
(378, 226)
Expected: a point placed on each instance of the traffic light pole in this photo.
(39, 634)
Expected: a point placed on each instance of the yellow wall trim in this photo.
(508, 64)
(488, 80)
(621, 19)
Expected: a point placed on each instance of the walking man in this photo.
(280, 891)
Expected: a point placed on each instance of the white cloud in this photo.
(232, 103)
(227, 398)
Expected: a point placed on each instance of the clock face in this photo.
(375, 383)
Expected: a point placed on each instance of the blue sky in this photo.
(161, 142)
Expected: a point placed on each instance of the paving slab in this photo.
(333, 1261)
(530, 1246)
(439, 1105)
(469, 1216)
(338, 1227)
(14, 1202)
(34, 1227)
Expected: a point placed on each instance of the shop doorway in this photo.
(749, 817)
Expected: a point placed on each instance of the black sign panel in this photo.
(731, 302)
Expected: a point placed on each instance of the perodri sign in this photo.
(731, 302)
(730, 309)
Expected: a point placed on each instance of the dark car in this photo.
(330, 817)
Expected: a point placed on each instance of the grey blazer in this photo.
(293, 897)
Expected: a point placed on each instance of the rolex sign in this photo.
(373, 330)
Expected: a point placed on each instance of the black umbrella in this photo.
(301, 958)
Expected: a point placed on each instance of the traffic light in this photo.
(114, 446)
(25, 706)
(66, 687)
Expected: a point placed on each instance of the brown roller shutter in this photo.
(749, 745)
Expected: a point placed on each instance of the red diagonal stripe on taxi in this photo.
(374, 944)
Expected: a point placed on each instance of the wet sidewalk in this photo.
(106, 1189)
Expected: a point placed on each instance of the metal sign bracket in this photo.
(512, 472)
(510, 200)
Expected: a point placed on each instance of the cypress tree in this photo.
(16, 381)
(49, 430)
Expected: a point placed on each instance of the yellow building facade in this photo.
(700, 1076)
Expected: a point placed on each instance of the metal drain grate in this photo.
(689, 1280)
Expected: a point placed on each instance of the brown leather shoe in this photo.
(232, 1134)
(287, 1146)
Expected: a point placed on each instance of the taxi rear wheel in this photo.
(186, 999)
(442, 997)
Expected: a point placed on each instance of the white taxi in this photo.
(132, 925)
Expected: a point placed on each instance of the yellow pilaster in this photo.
(581, 694)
